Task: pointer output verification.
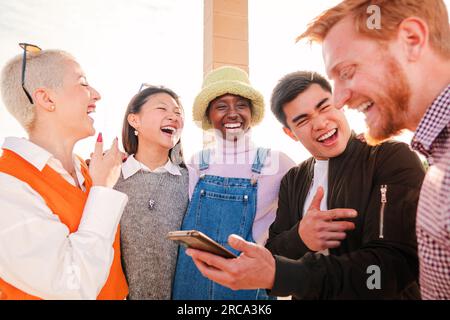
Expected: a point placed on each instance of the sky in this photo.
(121, 44)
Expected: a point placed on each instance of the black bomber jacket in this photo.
(361, 178)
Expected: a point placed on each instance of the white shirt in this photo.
(132, 166)
(320, 179)
(38, 254)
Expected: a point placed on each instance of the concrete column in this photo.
(225, 34)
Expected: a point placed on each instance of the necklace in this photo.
(151, 203)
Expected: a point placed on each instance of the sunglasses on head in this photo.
(27, 47)
(145, 86)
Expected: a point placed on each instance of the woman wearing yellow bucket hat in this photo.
(233, 187)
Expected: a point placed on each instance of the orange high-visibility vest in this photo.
(67, 202)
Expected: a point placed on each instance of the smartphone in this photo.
(198, 240)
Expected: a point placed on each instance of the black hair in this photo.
(290, 86)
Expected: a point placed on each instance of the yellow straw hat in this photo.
(225, 80)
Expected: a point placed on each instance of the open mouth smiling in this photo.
(91, 109)
(329, 137)
(169, 130)
(233, 125)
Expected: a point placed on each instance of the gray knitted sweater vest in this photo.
(148, 258)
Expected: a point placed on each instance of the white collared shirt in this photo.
(132, 166)
(38, 254)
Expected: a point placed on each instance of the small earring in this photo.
(52, 108)
(136, 132)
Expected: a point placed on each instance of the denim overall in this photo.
(219, 207)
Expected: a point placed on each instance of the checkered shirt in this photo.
(432, 138)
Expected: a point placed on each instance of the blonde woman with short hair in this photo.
(59, 221)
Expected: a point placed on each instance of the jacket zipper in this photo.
(383, 190)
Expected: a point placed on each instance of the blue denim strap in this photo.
(260, 158)
(213, 199)
(204, 159)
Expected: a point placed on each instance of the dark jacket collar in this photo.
(350, 154)
(352, 145)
